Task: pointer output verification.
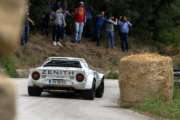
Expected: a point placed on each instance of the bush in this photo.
(158, 18)
(9, 66)
(37, 9)
(112, 75)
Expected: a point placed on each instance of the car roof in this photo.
(65, 58)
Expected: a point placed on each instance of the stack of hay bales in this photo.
(7, 99)
(145, 76)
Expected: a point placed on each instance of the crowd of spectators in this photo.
(81, 22)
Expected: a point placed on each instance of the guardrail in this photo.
(177, 75)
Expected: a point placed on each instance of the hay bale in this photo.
(11, 20)
(7, 99)
(145, 76)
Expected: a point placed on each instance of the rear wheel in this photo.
(100, 90)
(90, 94)
(34, 91)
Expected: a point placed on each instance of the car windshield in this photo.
(63, 63)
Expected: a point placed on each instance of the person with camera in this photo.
(110, 23)
(124, 26)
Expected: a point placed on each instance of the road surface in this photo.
(71, 107)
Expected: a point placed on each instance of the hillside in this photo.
(39, 48)
(106, 60)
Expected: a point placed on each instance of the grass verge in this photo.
(8, 65)
(159, 108)
(112, 75)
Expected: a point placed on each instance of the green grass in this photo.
(158, 107)
(112, 75)
(8, 65)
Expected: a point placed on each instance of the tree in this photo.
(157, 19)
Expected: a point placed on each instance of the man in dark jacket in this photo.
(100, 20)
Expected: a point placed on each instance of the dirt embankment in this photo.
(39, 48)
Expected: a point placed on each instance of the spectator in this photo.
(89, 22)
(98, 27)
(45, 24)
(67, 14)
(110, 22)
(53, 25)
(60, 24)
(124, 26)
(80, 19)
(69, 22)
(26, 29)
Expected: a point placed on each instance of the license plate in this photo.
(55, 77)
(56, 82)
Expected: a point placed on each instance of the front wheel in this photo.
(100, 90)
(34, 91)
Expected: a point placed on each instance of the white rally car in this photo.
(65, 73)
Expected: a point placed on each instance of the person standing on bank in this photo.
(110, 23)
(60, 24)
(88, 28)
(80, 19)
(53, 25)
(26, 27)
(98, 27)
(124, 26)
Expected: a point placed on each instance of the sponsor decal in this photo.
(57, 72)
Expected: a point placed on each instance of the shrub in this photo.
(9, 66)
(158, 18)
(112, 75)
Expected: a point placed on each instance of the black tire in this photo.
(34, 91)
(100, 90)
(90, 94)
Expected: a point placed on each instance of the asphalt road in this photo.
(68, 106)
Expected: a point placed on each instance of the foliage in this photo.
(156, 19)
(9, 65)
(112, 75)
(160, 108)
(37, 9)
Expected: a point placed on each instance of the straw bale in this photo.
(145, 76)
(11, 20)
(7, 99)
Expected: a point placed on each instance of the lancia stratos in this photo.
(67, 74)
